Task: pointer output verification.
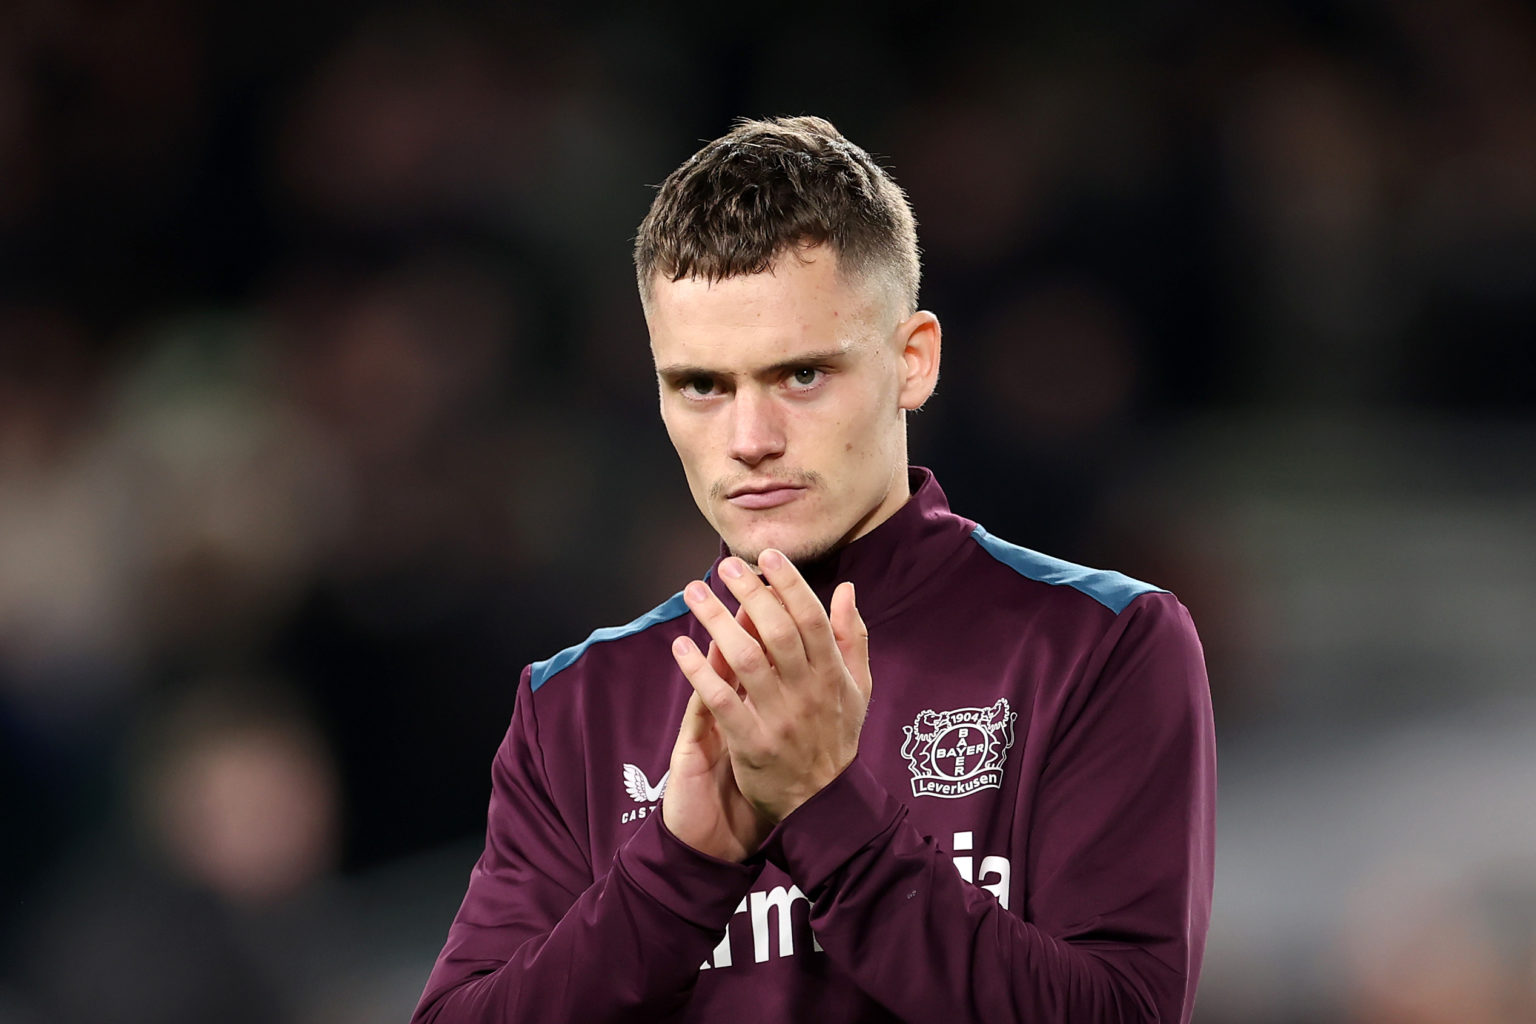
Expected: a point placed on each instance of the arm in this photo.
(539, 938)
(1117, 884)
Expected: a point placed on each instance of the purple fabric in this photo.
(1027, 833)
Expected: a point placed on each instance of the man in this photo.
(1019, 825)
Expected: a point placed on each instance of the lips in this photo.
(763, 496)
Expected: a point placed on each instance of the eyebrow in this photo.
(683, 371)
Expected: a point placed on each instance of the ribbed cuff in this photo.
(698, 888)
(825, 832)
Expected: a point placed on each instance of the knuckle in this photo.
(750, 659)
(713, 611)
(780, 635)
(818, 627)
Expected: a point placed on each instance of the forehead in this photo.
(800, 303)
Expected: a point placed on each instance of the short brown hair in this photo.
(773, 186)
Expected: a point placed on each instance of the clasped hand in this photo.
(777, 707)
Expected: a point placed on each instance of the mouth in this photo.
(770, 494)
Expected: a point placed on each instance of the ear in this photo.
(918, 339)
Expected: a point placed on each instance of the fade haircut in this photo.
(774, 186)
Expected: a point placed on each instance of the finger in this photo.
(745, 622)
(774, 627)
(852, 636)
(716, 659)
(723, 669)
(717, 662)
(744, 656)
(802, 605)
(696, 721)
(718, 697)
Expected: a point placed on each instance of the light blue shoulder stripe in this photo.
(541, 671)
(1113, 590)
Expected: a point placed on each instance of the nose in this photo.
(757, 428)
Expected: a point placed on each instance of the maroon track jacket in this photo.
(1026, 834)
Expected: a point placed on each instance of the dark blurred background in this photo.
(325, 405)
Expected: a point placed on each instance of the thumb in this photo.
(852, 636)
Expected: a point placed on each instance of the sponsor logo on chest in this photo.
(955, 753)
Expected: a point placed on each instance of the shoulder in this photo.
(1113, 591)
(640, 634)
(1130, 644)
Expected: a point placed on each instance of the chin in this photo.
(800, 551)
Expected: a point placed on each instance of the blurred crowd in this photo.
(325, 401)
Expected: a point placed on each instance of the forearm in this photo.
(891, 909)
(628, 948)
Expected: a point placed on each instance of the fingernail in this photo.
(770, 559)
(730, 568)
(682, 645)
(695, 592)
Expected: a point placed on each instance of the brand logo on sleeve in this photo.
(641, 791)
(958, 752)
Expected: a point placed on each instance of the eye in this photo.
(805, 377)
(699, 387)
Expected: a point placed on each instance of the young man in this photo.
(1018, 827)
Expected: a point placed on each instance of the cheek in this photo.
(690, 443)
(867, 430)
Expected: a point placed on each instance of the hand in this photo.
(701, 805)
(792, 714)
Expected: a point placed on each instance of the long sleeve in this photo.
(544, 935)
(1117, 872)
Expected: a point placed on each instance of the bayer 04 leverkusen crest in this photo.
(959, 752)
